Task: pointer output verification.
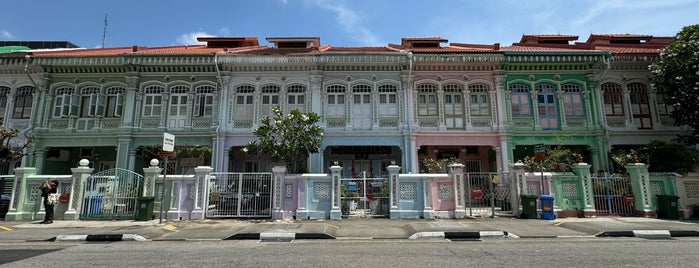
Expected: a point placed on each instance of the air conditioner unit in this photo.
(57, 155)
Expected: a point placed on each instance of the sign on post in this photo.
(168, 142)
(539, 152)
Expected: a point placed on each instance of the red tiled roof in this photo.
(536, 48)
(360, 49)
(537, 37)
(594, 37)
(628, 49)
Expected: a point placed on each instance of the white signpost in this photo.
(168, 150)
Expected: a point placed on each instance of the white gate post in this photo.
(585, 183)
(518, 186)
(200, 186)
(457, 175)
(393, 194)
(21, 192)
(335, 211)
(278, 181)
(80, 175)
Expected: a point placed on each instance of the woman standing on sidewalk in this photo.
(48, 187)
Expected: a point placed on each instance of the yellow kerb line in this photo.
(5, 228)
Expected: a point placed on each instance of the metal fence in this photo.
(111, 194)
(487, 193)
(239, 195)
(365, 197)
(612, 194)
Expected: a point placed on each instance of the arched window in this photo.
(153, 101)
(573, 100)
(520, 100)
(453, 106)
(480, 100)
(388, 103)
(204, 101)
(4, 91)
(66, 103)
(244, 101)
(427, 100)
(613, 99)
(296, 97)
(546, 102)
(640, 106)
(270, 99)
(336, 101)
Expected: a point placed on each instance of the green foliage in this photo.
(660, 156)
(437, 165)
(384, 190)
(676, 74)
(10, 152)
(289, 138)
(557, 159)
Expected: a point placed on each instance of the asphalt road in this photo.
(582, 252)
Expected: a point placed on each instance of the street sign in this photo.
(539, 148)
(539, 152)
(168, 142)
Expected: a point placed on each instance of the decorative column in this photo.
(518, 186)
(277, 184)
(200, 191)
(457, 175)
(335, 211)
(640, 186)
(393, 191)
(584, 186)
(80, 175)
(21, 193)
(150, 175)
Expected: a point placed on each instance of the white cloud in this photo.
(6, 35)
(191, 38)
(350, 21)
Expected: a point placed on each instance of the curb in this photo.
(460, 235)
(102, 237)
(278, 236)
(650, 234)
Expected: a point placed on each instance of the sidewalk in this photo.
(360, 228)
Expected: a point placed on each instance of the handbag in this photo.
(52, 199)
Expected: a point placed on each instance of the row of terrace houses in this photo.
(484, 104)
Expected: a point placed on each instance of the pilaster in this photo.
(335, 210)
(277, 205)
(638, 175)
(20, 195)
(584, 188)
(80, 175)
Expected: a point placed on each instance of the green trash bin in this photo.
(144, 209)
(667, 207)
(528, 206)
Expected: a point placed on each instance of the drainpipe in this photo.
(221, 105)
(409, 115)
(35, 110)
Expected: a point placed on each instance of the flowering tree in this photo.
(676, 74)
(11, 152)
(289, 138)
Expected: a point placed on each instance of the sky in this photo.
(156, 23)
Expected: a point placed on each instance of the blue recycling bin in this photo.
(94, 203)
(352, 186)
(547, 212)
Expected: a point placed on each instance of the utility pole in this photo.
(104, 33)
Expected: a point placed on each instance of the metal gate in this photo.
(111, 194)
(365, 197)
(239, 195)
(488, 193)
(612, 194)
